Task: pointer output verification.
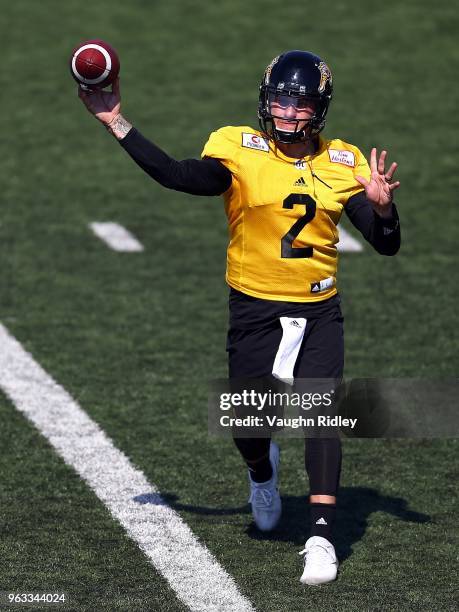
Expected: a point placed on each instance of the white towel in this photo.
(289, 347)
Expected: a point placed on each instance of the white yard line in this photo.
(116, 236)
(191, 570)
(120, 239)
(347, 243)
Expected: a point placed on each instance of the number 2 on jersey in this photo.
(297, 199)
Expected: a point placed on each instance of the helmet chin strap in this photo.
(290, 137)
(295, 137)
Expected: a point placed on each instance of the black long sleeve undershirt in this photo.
(209, 177)
(206, 177)
(382, 234)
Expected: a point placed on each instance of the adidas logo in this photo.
(300, 182)
(321, 521)
(295, 323)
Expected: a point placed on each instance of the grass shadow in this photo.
(355, 505)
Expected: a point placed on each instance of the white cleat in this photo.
(264, 496)
(320, 562)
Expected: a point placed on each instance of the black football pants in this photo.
(253, 341)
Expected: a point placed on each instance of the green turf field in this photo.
(134, 338)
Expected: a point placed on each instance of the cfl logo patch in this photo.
(300, 164)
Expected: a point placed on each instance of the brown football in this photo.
(94, 64)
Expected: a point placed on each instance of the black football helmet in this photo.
(295, 78)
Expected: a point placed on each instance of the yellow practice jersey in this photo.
(283, 213)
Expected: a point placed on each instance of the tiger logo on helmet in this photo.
(325, 76)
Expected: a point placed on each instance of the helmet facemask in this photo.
(274, 97)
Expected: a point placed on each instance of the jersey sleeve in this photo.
(224, 146)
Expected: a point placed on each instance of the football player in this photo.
(285, 187)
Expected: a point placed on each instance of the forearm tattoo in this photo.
(119, 127)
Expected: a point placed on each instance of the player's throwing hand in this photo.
(379, 188)
(104, 105)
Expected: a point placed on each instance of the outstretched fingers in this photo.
(373, 164)
(381, 162)
(390, 173)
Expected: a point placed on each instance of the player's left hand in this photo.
(379, 188)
